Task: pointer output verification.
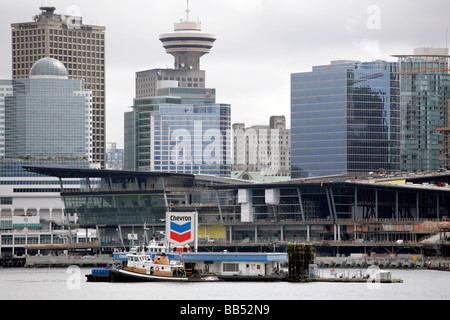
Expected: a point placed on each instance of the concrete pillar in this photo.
(437, 206)
(376, 204)
(396, 204)
(417, 206)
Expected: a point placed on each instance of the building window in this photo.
(6, 201)
(230, 267)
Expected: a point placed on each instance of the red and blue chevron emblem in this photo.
(180, 232)
(181, 227)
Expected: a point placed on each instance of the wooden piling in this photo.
(300, 256)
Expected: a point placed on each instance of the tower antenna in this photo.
(187, 11)
(446, 38)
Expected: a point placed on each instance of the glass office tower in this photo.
(48, 115)
(165, 134)
(425, 89)
(345, 118)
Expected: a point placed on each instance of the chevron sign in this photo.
(180, 227)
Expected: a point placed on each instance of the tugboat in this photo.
(141, 266)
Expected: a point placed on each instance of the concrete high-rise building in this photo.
(425, 90)
(187, 44)
(80, 47)
(345, 118)
(263, 148)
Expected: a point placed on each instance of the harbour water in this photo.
(70, 283)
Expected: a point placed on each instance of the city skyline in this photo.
(259, 42)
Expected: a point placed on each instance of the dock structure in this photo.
(300, 257)
(11, 262)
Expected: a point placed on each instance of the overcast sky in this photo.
(259, 42)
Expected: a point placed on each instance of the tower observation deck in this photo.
(187, 43)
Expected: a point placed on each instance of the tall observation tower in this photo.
(187, 43)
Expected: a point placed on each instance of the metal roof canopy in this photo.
(98, 173)
(330, 181)
(357, 184)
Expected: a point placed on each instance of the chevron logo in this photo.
(180, 228)
(180, 237)
(180, 232)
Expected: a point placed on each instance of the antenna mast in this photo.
(187, 11)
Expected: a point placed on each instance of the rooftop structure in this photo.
(187, 43)
(47, 68)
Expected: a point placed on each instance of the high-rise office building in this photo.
(179, 132)
(425, 90)
(345, 118)
(176, 124)
(80, 47)
(48, 115)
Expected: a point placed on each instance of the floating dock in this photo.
(99, 275)
(259, 267)
(12, 262)
(102, 275)
(356, 280)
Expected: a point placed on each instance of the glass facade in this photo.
(425, 88)
(345, 118)
(117, 209)
(191, 95)
(12, 168)
(182, 138)
(182, 130)
(5, 91)
(124, 203)
(48, 117)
